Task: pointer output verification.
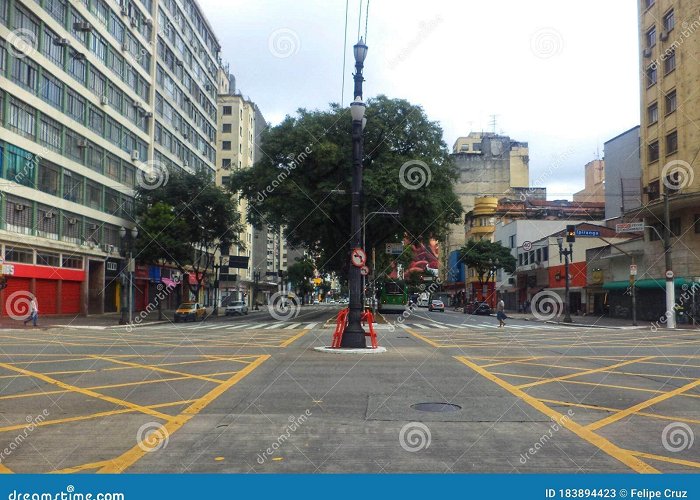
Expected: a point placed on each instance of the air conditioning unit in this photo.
(104, 100)
(646, 52)
(105, 248)
(72, 221)
(62, 42)
(82, 143)
(125, 47)
(82, 27)
(186, 164)
(49, 215)
(207, 87)
(124, 11)
(149, 22)
(134, 22)
(148, 114)
(664, 35)
(92, 227)
(179, 63)
(135, 156)
(78, 55)
(19, 207)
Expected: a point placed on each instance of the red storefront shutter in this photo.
(14, 285)
(46, 291)
(70, 297)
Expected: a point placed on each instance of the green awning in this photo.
(646, 284)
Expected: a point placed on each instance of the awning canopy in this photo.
(646, 284)
(168, 282)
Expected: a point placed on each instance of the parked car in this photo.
(479, 308)
(436, 305)
(237, 307)
(190, 311)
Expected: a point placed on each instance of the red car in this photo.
(436, 305)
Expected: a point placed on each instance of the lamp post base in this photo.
(354, 337)
(567, 319)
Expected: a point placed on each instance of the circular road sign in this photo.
(527, 246)
(364, 270)
(358, 257)
(669, 275)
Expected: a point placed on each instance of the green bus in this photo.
(393, 296)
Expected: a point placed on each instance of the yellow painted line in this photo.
(292, 339)
(88, 417)
(88, 392)
(126, 460)
(639, 389)
(599, 442)
(586, 372)
(156, 369)
(604, 408)
(421, 337)
(661, 458)
(640, 406)
(521, 360)
(4, 470)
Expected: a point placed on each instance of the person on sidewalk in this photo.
(33, 312)
(500, 313)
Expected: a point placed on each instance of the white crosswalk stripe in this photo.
(243, 326)
(310, 326)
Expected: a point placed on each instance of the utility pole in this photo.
(670, 286)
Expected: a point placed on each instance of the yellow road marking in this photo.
(605, 408)
(88, 392)
(523, 360)
(421, 337)
(4, 470)
(80, 468)
(586, 372)
(292, 339)
(600, 442)
(126, 460)
(661, 458)
(640, 406)
(88, 417)
(156, 369)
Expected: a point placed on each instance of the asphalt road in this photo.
(250, 394)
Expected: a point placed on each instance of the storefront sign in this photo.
(588, 233)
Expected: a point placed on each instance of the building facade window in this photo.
(19, 255)
(19, 216)
(651, 37)
(226, 146)
(670, 61)
(72, 186)
(669, 21)
(671, 102)
(228, 110)
(672, 142)
(22, 118)
(653, 151)
(653, 113)
(50, 133)
(652, 75)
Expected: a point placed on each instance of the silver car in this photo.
(238, 307)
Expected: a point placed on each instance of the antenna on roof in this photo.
(493, 123)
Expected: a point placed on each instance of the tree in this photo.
(307, 161)
(185, 221)
(486, 257)
(300, 274)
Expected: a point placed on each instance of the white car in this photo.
(238, 307)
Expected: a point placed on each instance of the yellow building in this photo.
(669, 34)
(594, 190)
(481, 225)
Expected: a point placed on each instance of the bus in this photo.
(393, 296)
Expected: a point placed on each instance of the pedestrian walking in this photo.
(500, 313)
(33, 312)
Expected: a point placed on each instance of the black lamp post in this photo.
(256, 280)
(354, 335)
(217, 270)
(127, 238)
(566, 253)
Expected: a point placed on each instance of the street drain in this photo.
(436, 407)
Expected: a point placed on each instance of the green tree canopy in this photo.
(485, 257)
(184, 220)
(309, 156)
(300, 274)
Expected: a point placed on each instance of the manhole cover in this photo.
(436, 407)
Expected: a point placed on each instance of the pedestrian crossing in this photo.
(240, 326)
(479, 326)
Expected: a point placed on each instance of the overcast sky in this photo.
(560, 75)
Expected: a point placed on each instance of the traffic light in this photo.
(570, 233)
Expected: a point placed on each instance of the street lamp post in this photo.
(217, 269)
(256, 280)
(354, 335)
(128, 238)
(566, 253)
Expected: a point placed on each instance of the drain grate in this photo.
(436, 407)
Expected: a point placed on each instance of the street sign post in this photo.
(633, 270)
(527, 246)
(358, 257)
(394, 248)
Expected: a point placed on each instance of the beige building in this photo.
(669, 36)
(93, 96)
(594, 191)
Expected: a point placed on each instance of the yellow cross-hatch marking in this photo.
(596, 440)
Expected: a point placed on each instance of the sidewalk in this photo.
(599, 321)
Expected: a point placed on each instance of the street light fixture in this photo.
(566, 253)
(128, 237)
(217, 269)
(354, 335)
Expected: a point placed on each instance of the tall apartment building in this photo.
(623, 173)
(669, 39)
(93, 94)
